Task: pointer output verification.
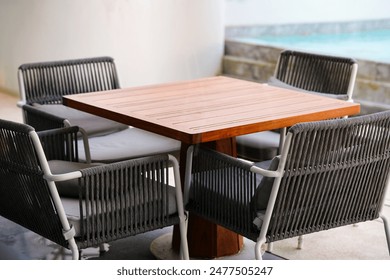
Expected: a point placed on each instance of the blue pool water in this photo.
(369, 45)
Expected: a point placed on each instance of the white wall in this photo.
(152, 41)
(265, 12)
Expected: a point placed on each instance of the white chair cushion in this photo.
(129, 143)
(260, 140)
(278, 83)
(262, 145)
(93, 125)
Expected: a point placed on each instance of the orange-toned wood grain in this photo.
(209, 109)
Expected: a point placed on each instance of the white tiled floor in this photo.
(365, 241)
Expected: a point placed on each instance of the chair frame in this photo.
(73, 76)
(284, 72)
(93, 232)
(291, 64)
(290, 60)
(44, 83)
(281, 203)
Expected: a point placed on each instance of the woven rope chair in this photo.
(72, 77)
(325, 75)
(45, 83)
(78, 205)
(42, 86)
(330, 174)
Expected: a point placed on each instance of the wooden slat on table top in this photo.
(210, 108)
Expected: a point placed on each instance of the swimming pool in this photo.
(369, 45)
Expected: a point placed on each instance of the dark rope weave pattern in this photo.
(125, 199)
(221, 190)
(335, 175)
(313, 72)
(40, 119)
(24, 194)
(47, 82)
(60, 144)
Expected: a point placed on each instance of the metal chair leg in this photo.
(387, 231)
(270, 246)
(300, 242)
(258, 251)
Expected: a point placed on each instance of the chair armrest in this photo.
(229, 191)
(267, 172)
(137, 167)
(212, 172)
(62, 143)
(229, 161)
(41, 120)
(63, 177)
(221, 189)
(132, 191)
(133, 177)
(20, 103)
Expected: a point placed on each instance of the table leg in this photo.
(207, 240)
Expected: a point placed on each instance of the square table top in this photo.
(209, 109)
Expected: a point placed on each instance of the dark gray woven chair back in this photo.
(336, 174)
(24, 193)
(314, 72)
(47, 82)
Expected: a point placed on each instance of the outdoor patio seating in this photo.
(327, 75)
(80, 205)
(42, 86)
(330, 174)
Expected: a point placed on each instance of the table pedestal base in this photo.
(207, 240)
(162, 249)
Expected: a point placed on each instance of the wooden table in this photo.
(209, 110)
